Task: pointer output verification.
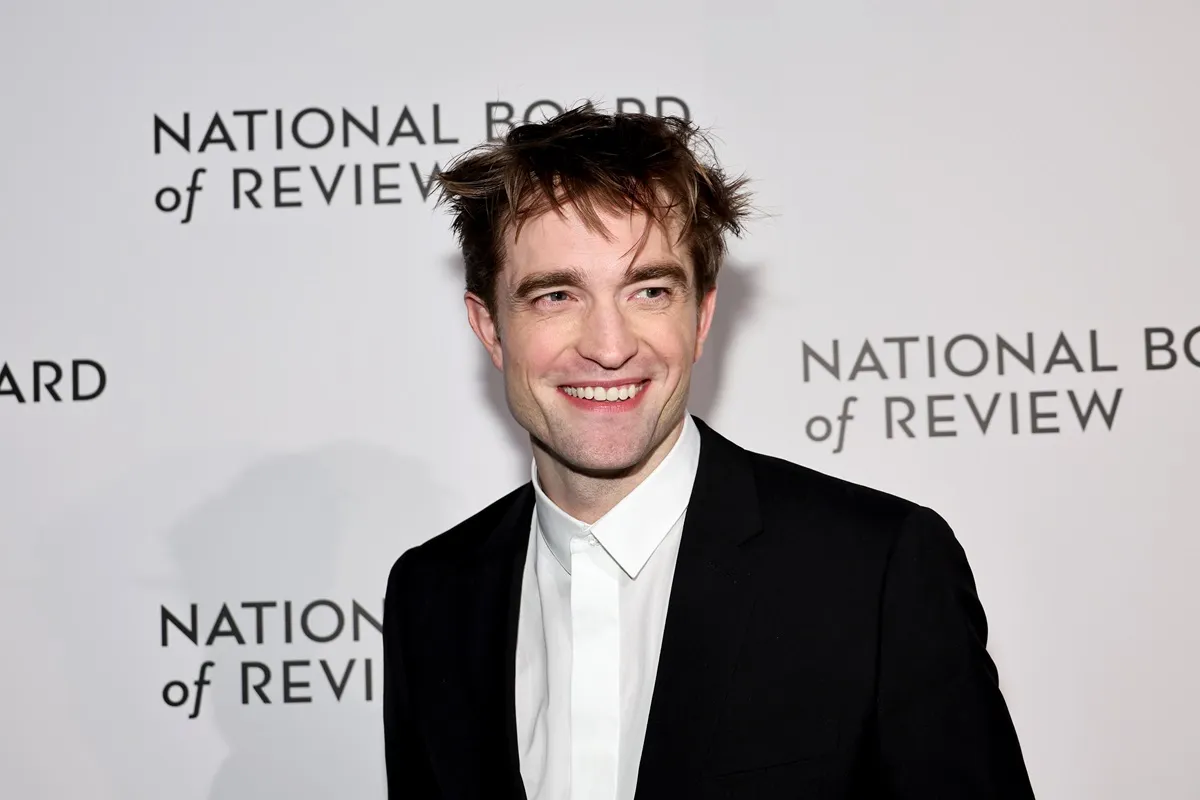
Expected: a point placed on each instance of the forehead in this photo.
(555, 241)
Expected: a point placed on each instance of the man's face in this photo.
(596, 339)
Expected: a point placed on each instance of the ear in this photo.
(708, 305)
(484, 325)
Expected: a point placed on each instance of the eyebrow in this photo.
(670, 271)
(541, 282)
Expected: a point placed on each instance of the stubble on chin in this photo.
(610, 459)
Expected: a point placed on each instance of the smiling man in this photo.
(659, 613)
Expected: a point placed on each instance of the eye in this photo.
(553, 298)
(654, 292)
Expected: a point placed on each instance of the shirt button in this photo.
(591, 539)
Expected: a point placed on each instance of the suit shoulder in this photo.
(794, 489)
(467, 536)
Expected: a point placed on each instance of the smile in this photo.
(607, 394)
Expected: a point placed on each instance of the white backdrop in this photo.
(291, 396)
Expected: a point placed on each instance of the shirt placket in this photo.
(595, 672)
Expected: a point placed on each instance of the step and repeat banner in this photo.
(236, 379)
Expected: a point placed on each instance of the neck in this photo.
(588, 497)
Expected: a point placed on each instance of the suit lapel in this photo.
(522, 521)
(491, 590)
(710, 600)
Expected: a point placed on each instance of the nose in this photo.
(607, 337)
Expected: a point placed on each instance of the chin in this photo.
(595, 460)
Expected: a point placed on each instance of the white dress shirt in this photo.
(593, 606)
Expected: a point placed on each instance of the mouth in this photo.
(605, 396)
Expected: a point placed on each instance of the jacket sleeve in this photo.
(409, 772)
(944, 728)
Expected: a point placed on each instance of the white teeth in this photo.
(613, 394)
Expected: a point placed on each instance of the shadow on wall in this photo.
(322, 524)
(735, 301)
(325, 524)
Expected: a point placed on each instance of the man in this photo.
(659, 613)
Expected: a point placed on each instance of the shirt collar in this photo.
(633, 529)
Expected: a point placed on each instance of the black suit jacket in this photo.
(822, 640)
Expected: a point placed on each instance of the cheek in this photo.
(534, 351)
(674, 339)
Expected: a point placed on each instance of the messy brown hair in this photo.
(589, 159)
